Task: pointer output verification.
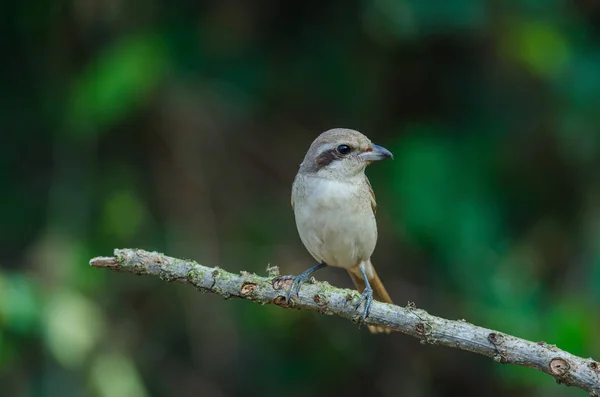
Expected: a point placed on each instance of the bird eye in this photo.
(344, 149)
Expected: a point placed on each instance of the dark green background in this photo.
(178, 126)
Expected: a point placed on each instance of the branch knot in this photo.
(566, 368)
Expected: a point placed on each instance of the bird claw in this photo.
(367, 297)
(297, 282)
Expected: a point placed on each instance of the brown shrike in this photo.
(334, 206)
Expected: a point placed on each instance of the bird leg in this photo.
(367, 297)
(300, 279)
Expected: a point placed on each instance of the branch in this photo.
(325, 299)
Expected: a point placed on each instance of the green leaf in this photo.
(426, 175)
(19, 306)
(73, 325)
(117, 82)
(570, 326)
(539, 46)
(113, 374)
(123, 214)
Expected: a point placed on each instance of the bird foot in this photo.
(297, 282)
(367, 297)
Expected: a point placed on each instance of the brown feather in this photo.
(379, 294)
(373, 202)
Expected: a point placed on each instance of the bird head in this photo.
(342, 153)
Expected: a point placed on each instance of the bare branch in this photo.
(566, 368)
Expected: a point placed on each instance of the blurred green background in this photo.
(179, 126)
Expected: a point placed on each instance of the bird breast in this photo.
(335, 219)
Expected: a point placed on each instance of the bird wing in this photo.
(373, 202)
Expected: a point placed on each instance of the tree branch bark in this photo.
(566, 368)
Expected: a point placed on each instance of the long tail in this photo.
(379, 293)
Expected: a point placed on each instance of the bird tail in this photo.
(379, 292)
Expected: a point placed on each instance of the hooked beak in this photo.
(376, 153)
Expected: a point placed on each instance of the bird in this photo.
(334, 208)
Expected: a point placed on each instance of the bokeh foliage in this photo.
(178, 127)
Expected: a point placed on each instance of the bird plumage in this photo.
(334, 206)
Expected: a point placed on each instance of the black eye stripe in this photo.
(325, 158)
(328, 156)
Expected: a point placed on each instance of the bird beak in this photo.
(376, 153)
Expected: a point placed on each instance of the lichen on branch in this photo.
(323, 298)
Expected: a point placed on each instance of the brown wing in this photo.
(373, 202)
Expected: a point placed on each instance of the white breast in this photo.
(335, 220)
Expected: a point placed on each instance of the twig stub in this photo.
(566, 368)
